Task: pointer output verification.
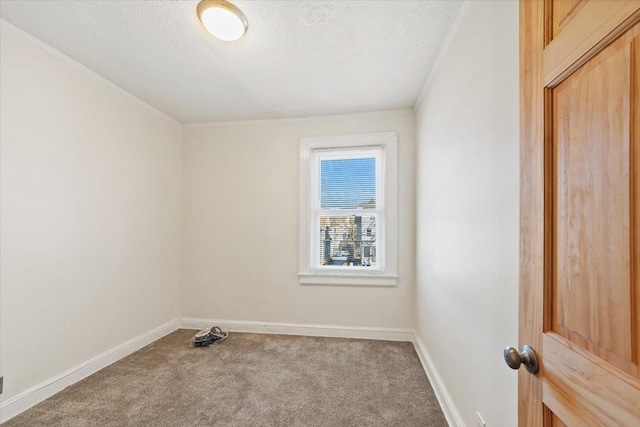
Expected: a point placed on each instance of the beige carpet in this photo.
(250, 380)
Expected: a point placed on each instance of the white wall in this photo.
(240, 226)
(467, 213)
(90, 209)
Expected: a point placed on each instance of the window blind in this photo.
(348, 183)
(347, 239)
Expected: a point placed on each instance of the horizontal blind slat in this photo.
(348, 183)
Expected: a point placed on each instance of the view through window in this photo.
(347, 209)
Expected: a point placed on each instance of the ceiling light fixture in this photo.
(222, 19)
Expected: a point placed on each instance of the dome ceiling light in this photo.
(222, 19)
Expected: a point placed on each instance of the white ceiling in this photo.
(299, 58)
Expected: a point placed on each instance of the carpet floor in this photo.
(250, 380)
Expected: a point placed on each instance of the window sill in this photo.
(384, 280)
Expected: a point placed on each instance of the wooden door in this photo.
(580, 212)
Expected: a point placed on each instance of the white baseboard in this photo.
(25, 400)
(360, 332)
(451, 413)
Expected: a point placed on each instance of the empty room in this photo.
(320, 213)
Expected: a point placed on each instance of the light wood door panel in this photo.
(555, 421)
(563, 12)
(592, 284)
(590, 29)
(582, 390)
(580, 212)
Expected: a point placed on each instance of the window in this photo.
(348, 210)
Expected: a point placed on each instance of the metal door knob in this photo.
(526, 357)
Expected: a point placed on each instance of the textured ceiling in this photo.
(299, 58)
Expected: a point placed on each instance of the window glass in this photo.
(348, 183)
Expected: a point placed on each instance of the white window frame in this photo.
(385, 272)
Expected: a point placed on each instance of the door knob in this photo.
(526, 357)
